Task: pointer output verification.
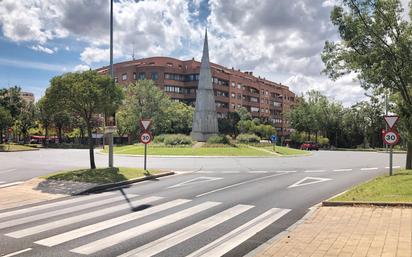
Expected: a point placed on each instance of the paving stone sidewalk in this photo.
(24, 194)
(348, 231)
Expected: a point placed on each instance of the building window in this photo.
(233, 84)
(142, 76)
(124, 76)
(254, 109)
(169, 64)
(239, 86)
(154, 75)
(233, 95)
(134, 76)
(232, 106)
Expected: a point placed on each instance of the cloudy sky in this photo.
(277, 39)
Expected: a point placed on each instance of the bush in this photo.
(160, 138)
(248, 138)
(218, 139)
(177, 139)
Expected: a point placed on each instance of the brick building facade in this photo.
(233, 89)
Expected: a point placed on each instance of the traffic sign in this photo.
(391, 137)
(145, 137)
(145, 124)
(273, 138)
(391, 120)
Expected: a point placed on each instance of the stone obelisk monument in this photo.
(205, 117)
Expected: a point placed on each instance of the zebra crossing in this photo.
(94, 225)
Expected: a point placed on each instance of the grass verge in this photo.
(15, 148)
(396, 188)
(100, 175)
(189, 151)
(287, 150)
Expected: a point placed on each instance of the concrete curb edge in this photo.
(355, 203)
(123, 183)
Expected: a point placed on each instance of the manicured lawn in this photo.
(15, 148)
(287, 151)
(397, 188)
(100, 175)
(189, 151)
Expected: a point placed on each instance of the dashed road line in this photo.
(6, 171)
(365, 169)
(314, 171)
(258, 171)
(343, 170)
(395, 167)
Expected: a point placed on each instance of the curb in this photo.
(271, 241)
(123, 183)
(353, 204)
(194, 156)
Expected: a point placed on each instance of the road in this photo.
(214, 207)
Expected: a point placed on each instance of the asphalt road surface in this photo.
(214, 207)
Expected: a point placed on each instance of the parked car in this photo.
(309, 146)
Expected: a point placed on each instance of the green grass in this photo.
(397, 188)
(100, 175)
(15, 148)
(189, 151)
(286, 150)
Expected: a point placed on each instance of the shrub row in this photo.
(173, 139)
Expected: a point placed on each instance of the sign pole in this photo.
(391, 161)
(145, 156)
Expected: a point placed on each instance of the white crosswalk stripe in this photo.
(175, 238)
(229, 241)
(142, 229)
(53, 205)
(74, 219)
(72, 209)
(70, 235)
(85, 239)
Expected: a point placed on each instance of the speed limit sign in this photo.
(391, 137)
(145, 137)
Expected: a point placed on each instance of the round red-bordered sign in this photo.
(391, 137)
(145, 137)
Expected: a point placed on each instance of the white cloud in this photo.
(81, 67)
(43, 49)
(33, 65)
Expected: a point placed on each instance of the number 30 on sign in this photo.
(391, 137)
(145, 137)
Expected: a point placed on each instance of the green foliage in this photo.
(86, 95)
(6, 120)
(177, 139)
(160, 138)
(145, 100)
(244, 114)
(247, 138)
(218, 139)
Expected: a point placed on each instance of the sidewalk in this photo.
(348, 231)
(24, 194)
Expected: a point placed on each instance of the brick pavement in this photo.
(24, 194)
(348, 231)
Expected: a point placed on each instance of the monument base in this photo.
(201, 137)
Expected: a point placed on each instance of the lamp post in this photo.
(110, 134)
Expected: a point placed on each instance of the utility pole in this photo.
(386, 113)
(110, 134)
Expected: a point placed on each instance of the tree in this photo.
(45, 115)
(376, 45)
(26, 120)
(87, 95)
(5, 121)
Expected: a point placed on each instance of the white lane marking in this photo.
(67, 210)
(286, 171)
(10, 184)
(54, 204)
(195, 181)
(17, 253)
(142, 229)
(343, 170)
(258, 171)
(395, 167)
(184, 234)
(87, 230)
(314, 171)
(71, 220)
(230, 171)
(6, 171)
(239, 184)
(314, 181)
(369, 169)
(229, 241)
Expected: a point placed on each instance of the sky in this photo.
(280, 40)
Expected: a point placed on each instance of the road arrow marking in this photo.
(314, 181)
(195, 181)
